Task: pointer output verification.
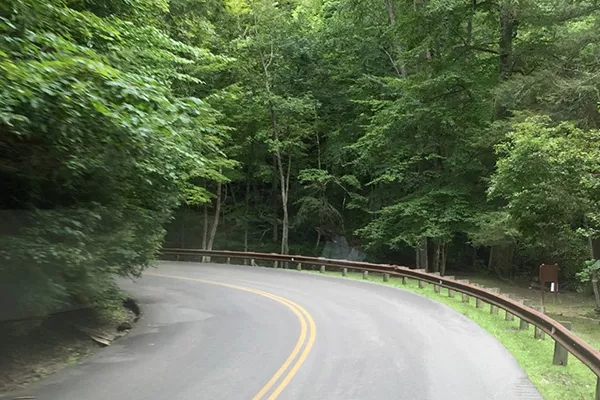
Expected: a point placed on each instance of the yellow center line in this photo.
(303, 317)
(293, 354)
(296, 367)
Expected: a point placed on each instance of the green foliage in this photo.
(590, 270)
(494, 228)
(96, 147)
(547, 174)
(469, 126)
(386, 122)
(315, 206)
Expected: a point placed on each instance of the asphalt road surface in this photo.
(232, 332)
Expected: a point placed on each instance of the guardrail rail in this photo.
(563, 337)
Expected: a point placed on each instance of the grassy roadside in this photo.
(573, 382)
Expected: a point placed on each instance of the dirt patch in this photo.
(33, 349)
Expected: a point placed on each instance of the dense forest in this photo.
(459, 134)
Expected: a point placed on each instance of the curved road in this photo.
(233, 332)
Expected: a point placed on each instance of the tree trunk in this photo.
(215, 224)
(509, 260)
(491, 259)
(435, 267)
(246, 211)
(275, 204)
(205, 228)
(424, 255)
(596, 290)
(285, 230)
(318, 146)
(443, 259)
(594, 245)
(507, 32)
(266, 63)
(595, 248)
(398, 63)
(417, 257)
(183, 231)
(284, 183)
(503, 255)
(318, 239)
(284, 177)
(470, 23)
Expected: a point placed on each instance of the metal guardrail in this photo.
(562, 336)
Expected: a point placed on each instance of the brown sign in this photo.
(549, 274)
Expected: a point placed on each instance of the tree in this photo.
(285, 115)
(410, 127)
(96, 147)
(316, 206)
(547, 174)
(410, 100)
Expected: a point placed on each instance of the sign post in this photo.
(549, 274)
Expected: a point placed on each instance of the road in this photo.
(232, 332)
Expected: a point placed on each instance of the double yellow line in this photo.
(305, 341)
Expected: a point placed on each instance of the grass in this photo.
(573, 382)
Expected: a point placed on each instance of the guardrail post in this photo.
(451, 292)
(275, 264)
(365, 274)
(524, 325)
(322, 270)
(598, 388)
(478, 301)
(386, 277)
(419, 282)
(508, 316)
(436, 288)
(493, 308)
(404, 280)
(299, 267)
(465, 297)
(344, 271)
(228, 260)
(538, 333)
(561, 355)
